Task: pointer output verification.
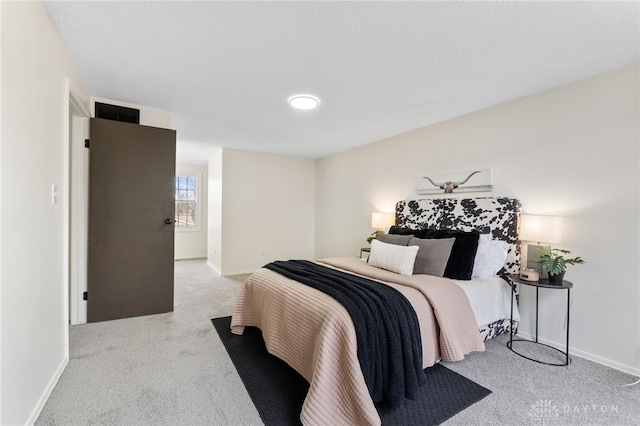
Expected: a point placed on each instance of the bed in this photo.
(315, 334)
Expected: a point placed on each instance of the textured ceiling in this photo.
(226, 69)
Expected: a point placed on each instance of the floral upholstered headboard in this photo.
(496, 216)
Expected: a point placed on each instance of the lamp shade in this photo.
(542, 229)
(382, 220)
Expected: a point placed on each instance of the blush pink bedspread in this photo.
(314, 334)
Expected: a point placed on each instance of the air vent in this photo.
(117, 113)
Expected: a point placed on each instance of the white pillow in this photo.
(392, 257)
(490, 257)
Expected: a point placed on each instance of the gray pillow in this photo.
(399, 240)
(433, 255)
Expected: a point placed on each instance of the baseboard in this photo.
(190, 258)
(47, 391)
(215, 270)
(586, 355)
(248, 271)
(229, 274)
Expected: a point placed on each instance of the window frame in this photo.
(198, 202)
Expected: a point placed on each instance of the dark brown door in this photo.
(131, 210)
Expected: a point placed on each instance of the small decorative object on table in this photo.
(529, 274)
(553, 261)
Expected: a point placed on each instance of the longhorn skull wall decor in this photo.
(471, 181)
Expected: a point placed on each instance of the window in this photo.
(187, 207)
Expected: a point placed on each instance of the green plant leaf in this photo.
(553, 262)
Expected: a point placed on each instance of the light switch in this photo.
(54, 194)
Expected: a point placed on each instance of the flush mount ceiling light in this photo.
(303, 101)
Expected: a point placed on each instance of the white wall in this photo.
(571, 152)
(267, 210)
(214, 213)
(192, 243)
(34, 244)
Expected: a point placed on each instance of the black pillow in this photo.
(399, 230)
(463, 253)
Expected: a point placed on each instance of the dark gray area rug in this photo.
(278, 391)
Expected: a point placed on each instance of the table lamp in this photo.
(539, 229)
(382, 221)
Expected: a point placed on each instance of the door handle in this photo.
(168, 221)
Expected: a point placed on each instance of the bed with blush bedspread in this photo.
(315, 335)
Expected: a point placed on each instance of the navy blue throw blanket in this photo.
(387, 329)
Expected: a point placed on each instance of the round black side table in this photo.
(543, 283)
(365, 250)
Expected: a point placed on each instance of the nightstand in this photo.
(365, 250)
(543, 283)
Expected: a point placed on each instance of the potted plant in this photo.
(554, 262)
(374, 236)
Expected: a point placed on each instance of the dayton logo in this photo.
(543, 412)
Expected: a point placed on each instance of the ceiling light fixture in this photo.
(303, 101)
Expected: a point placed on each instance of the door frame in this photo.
(77, 186)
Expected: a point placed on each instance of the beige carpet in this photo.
(167, 369)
